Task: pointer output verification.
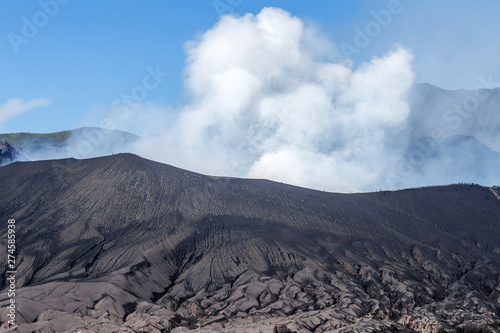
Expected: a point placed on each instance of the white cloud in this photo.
(16, 106)
(265, 105)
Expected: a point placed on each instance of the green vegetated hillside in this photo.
(32, 141)
(80, 143)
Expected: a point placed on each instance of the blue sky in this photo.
(86, 54)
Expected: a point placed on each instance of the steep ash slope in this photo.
(120, 241)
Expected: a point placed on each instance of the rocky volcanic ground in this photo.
(122, 244)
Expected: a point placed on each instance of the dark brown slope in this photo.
(123, 241)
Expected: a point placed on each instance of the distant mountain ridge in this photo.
(449, 136)
(437, 112)
(123, 243)
(454, 159)
(82, 142)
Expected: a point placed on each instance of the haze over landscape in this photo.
(268, 95)
(200, 166)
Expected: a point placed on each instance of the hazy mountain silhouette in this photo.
(82, 142)
(123, 242)
(444, 113)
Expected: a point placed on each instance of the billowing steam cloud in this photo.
(266, 105)
(269, 99)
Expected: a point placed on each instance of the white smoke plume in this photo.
(265, 104)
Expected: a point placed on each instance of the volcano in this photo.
(120, 243)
